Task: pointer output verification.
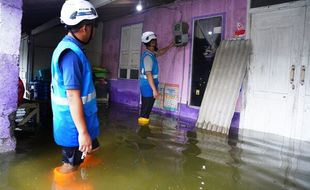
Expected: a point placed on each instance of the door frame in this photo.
(223, 15)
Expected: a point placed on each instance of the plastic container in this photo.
(100, 72)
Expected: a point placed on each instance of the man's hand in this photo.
(165, 49)
(172, 44)
(156, 94)
(77, 113)
(85, 143)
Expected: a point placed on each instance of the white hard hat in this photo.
(75, 11)
(148, 36)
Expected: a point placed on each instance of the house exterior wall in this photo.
(175, 66)
(10, 35)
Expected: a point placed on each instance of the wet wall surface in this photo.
(10, 34)
(175, 65)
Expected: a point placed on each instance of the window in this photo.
(123, 73)
(130, 51)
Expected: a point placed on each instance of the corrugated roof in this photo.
(224, 84)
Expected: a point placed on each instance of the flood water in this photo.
(169, 154)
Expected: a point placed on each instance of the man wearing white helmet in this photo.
(76, 125)
(149, 74)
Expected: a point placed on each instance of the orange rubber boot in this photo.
(90, 161)
(72, 181)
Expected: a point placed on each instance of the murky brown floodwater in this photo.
(166, 155)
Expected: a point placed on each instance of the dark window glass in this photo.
(134, 74)
(123, 73)
(261, 3)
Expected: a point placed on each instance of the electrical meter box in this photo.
(180, 32)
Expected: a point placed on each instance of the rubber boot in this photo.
(72, 181)
(143, 121)
(90, 161)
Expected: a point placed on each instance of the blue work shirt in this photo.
(65, 131)
(71, 67)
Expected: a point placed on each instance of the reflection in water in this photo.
(144, 131)
(167, 154)
(194, 167)
(4, 169)
(235, 153)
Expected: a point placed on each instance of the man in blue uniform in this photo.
(149, 74)
(76, 125)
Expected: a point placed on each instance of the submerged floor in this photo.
(169, 154)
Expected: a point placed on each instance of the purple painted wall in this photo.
(175, 65)
(125, 92)
(10, 34)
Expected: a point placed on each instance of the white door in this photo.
(303, 119)
(23, 59)
(130, 50)
(271, 99)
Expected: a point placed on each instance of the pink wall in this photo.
(161, 20)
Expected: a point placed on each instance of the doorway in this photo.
(207, 36)
(277, 92)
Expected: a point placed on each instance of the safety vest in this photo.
(145, 88)
(65, 131)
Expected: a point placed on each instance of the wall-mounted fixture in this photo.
(180, 32)
(139, 6)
